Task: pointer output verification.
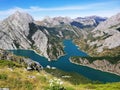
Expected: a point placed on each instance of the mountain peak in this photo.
(19, 21)
(21, 16)
(17, 12)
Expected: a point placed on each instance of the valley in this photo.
(85, 50)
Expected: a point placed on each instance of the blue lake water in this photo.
(64, 64)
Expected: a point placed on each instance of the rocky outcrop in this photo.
(103, 65)
(26, 62)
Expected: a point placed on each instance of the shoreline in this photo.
(69, 60)
(42, 55)
(94, 68)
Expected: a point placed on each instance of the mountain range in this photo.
(98, 36)
(21, 31)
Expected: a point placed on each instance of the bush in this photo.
(3, 76)
(8, 63)
(56, 84)
(28, 85)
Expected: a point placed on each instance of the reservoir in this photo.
(64, 64)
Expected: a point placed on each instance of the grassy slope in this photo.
(16, 77)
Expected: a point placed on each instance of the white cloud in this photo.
(36, 8)
(68, 9)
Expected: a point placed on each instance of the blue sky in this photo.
(71, 8)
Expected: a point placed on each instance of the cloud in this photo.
(36, 8)
(65, 10)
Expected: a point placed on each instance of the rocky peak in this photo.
(109, 23)
(19, 21)
(21, 16)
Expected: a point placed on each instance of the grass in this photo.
(3, 76)
(72, 77)
(18, 78)
(8, 63)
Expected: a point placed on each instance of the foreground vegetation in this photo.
(16, 77)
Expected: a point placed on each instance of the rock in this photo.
(53, 68)
(48, 67)
(106, 34)
(41, 41)
(32, 77)
(103, 65)
(30, 64)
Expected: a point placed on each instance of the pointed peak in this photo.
(21, 16)
(17, 12)
(20, 13)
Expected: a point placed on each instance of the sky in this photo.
(66, 8)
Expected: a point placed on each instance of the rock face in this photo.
(40, 41)
(13, 31)
(107, 34)
(102, 65)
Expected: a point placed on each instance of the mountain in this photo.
(87, 22)
(108, 34)
(103, 46)
(20, 31)
(104, 39)
(51, 22)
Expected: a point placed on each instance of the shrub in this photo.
(3, 76)
(56, 84)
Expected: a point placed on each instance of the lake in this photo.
(64, 64)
